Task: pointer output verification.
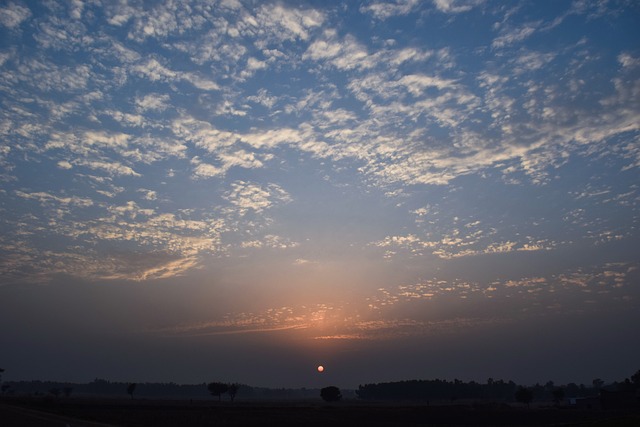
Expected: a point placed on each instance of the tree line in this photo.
(425, 390)
(102, 387)
(493, 389)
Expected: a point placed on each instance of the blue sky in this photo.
(319, 182)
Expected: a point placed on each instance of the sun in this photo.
(320, 368)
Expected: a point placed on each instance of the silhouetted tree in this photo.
(597, 383)
(131, 388)
(330, 394)
(232, 389)
(635, 378)
(217, 389)
(558, 395)
(55, 391)
(524, 395)
(67, 391)
(627, 385)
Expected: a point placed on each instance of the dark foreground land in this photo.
(94, 412)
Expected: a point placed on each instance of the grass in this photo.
(163, 413)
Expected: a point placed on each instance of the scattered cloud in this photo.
(12, 15)
(250, 197)
(456, 6)
(136, 111)
(385, 10)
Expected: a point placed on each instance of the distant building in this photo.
(591, 402)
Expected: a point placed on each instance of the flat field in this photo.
(96, 412)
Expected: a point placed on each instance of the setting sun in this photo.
(320, 368)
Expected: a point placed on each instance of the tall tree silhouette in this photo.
(597, 384)
(524, 395)
(232, 390)
(635, 378)
(558, 395)
(131, 388)
(331, 394)
(217, 389)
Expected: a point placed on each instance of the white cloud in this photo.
(532, 61)
(174, 268)
(205, 170)
(44, 198)
(246, 196)
(387, 9)
(119, 12)
(50, 77)
(155, 71)
(200, 82)
(263, 98)
(113, 167)
(628, 61)
(12, 15)
(512, 36)
(203, 134)
(148, 194)
(343, 54)
(456, 6)
(63, 164)
(270, 241)
(152, 102)
(416, 84)
(253, 65)
(282, 23)
(160, 21)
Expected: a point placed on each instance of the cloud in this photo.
(12, 15)
(416, 83)
(270, 241)
(63, 164)
(119, 12)
(61, 34)
(532, 61)
(202, 134)
(246, 196)
(152, 102)
(46, 198)
(148, 194)
(97, 107)
(111, 167)
(161, 21)
(154, 71)
(375, 315)
(628, 61)
(343, 54)
(49, 77)
(205, 170)
(515, 35)
(253, 65)
(139, 271)
(385, 10)
(282, 23)
(456, 6)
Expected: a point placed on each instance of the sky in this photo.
(195, 191)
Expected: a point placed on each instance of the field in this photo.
(95, 412)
